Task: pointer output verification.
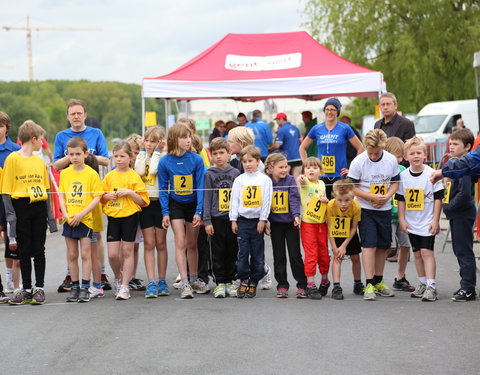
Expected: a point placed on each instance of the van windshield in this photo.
(428, 124)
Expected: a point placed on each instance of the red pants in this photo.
(314, 240)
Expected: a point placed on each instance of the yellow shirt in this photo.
(307, 192)
(124, 206)
(79, 189)
(25, 177)
(354, 211)
(204, 155)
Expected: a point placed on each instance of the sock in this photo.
(102, 268)
(28, 290)
(369, 281)
(377, 279)
(311, 284)
(68, 271)
(75, 284)
(357, 281)
(336, 284)
(9, 275)
(97, 285)
(431, 283)
(324, 280)
(85, 283)
(423, 280)
(184, 281)
(193, 278)
(151, 280)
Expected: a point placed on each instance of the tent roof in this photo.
(259, 66)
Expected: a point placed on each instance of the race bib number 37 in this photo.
(183, 185)
(252, 196)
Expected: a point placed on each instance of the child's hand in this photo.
(110, 196)
(382, 199)
(404, 226)
(296, 222)
(234, 227)
(12, 247)
(197, 221)
(159, 145)
(302, 180)
(341, 252)
(268, 232)
(434, 228)
(436, 176)
(209, 229)
(323, 199)
(166, 222)
(141, 143)
(124, 192)
(75, 220)
(260, 227)
(344, 172)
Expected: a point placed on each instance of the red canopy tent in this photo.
(251, 67)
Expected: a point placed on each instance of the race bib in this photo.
(340, 227)
(414, 200)
(75, 197)
(36, 194)
(252, 196)
(280, 202)
(378, 189)
(183, 185)
(395, 203)
(328, 164)
(446, 197)
(224, 196)
(316, 210)
(147, 178)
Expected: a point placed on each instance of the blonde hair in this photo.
(133, 140)
(395, 145)
(197, 144)
(5, 120)
(175, 132)
(375, 138)
(29, 130)
(312, 160)
(414, 141)
(189, 123)
(241, 135)
(250, 150)
(272, 160)
(155, 133)
(343, 187)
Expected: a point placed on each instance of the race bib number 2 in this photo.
(183, 185)
(36, 194)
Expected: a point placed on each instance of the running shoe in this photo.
(430, 295)
(73, 296)
(163, 288)
(252, 289)
(38, 297)
(337, 293)
(383, 290)
(242, 289)
(220, 291)
(369, 293)
(9, 288)
(178, 282)
(116, 286)
(313, 293)
(66, 285)
(231, 289)
(105, 283)
(282, 293)
(464, 296)
(323, 288)
(200, 287)
(123, 293)
(136, 284)
(96, 292)
(266, 282)
(301, 293)
(418, 293)
(3, 298)
(20, 297)
(402, 285)
(152, 290)
(358, 288)
(84, 295)
(186, 291)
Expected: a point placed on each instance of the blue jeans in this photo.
(251, 251)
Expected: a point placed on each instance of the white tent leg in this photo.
(143, 116)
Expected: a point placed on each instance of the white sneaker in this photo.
(96, 292)
(220, 291)
(178, 278)
(177, 285)
(9, 288)
(266, 282)
(231, 290)
(116, 286)
(200, 287)
(123, 293)
(187, 291)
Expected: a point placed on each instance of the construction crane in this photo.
(29, 30)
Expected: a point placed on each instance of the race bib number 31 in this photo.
(328, 164)
(183, 185)
(316, 210)
(340, 227)
(36, 194)
(224, 196)
(280, 202)
(252, 196)
(414, 200)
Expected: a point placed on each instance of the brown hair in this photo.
(123, 146)
(219, 143)
(414, 141)
(464, 135)
(78, 142)
(375, 138)
(189, 123)
(395, 146)
(73, 102)
(343, 187)
(312, 160)
(175, 132)
(5, 120)
(155, 133)
(92, 162)
(250, 150)
(29, 130)
(273, 159)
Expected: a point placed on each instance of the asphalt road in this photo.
(264, 335)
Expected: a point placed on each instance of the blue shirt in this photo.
(289, 136)
(6, 149)
(263, 135)
(189, 164)
(93, 136)
(333, 143)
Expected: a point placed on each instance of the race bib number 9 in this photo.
(446, 197)
(252, 196)
(183, 185)
(36, 194)
(224, 196)
(414, 200)
(316, 210)
(378, 189)
(328, 164)
(280, 202)
(340, 227)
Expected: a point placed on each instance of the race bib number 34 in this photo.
(183, 185)
(340, 227)
(328, 164)
(316, 210)
(280, 202)
(224, 196)
(414, 200)
(252, 196)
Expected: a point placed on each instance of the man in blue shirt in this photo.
(261, 131)
(288, 142)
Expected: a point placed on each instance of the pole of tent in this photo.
(143, 116)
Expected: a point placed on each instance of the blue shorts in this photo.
(375, 229)
(80, 231)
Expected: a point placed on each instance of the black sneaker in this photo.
(313, 293)
(136, 284)
(252, 289)
(66, 286)
(358, 288)
(105, 283)
(73, 296)
(323, 289)
(337, 292)
(402, 285)
(464, 296)
(242, 289)
(84, 295)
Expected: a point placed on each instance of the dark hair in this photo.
(92, 162)
(218, 143)
(78, 142)
(465, 135)
(73, 102)
(241, 114)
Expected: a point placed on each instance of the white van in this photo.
(436, 121)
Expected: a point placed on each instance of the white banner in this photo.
(259, 63)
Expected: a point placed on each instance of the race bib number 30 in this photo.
(252, 196)
(280, 202)
(378, 189)
(340, 227)
(316, 210)
(183, 185)
(36, 194)
(446, 197)
(414, 200)
(224, 196)
(328, 164)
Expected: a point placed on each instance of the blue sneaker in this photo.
(163, 288)
(152, 290)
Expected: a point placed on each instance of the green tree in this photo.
(423, 48)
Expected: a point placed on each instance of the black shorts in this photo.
(353, 246)
(296, 163)
(80, 231)
(421, 242)
(9, 253)
(185, 211)
(376, 228)
(122, 228)
(151, 216)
